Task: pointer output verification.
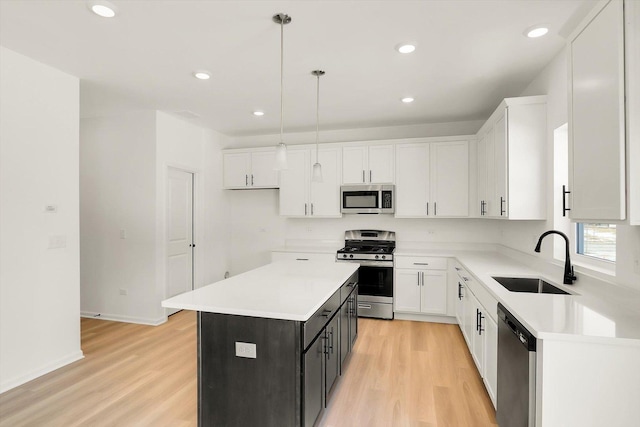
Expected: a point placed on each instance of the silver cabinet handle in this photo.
(363, 175)
(246, 180)
(311, 208)
(418, 278)
(252, 180)
(422, 273)
(305, 209)
(302, 259)
(420, 263)
(427, 208)
(370, 176)
(435, 208)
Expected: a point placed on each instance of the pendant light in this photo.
(281, 148)
(317, 167)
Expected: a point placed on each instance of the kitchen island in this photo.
(272, 342)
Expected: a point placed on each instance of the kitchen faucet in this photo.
(569, 277)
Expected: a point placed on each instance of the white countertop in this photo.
(586, 315)
(285, 290)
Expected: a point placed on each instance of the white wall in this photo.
(363, 134)
(118, 192)
(39, 287)
(182, 145)
(124, 162)
(522, 236)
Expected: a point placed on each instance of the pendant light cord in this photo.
(281, 78)
(317, 117)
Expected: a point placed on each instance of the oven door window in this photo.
(360, 199)
(376, 281)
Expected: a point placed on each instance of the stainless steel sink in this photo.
(532, 285)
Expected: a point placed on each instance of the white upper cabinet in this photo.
(632, 64)
(368, 164)
(512, 160)
(432, 179)
(299, 196)
(250, 168)
(597, 115)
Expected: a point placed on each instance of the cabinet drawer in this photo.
(348, 287)
(461, 272)
(302, 256)
(320, 318)
(421, 263)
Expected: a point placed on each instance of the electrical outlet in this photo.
(123, 291)
(245, 349)
(51, 209)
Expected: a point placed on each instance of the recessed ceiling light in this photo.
(258, 113)
(537, 31)
(102, 8)
(405, 48)
(202, 75)
(407, 100)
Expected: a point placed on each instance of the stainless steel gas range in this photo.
(373, 250)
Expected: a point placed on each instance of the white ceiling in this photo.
(470, 54)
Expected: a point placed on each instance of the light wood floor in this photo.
(401, 374)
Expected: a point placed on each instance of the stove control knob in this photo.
(383, 257)
(351, 256)
(377, 257)
(344, 255)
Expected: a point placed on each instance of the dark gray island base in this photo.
(291, 377)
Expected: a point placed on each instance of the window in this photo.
(596, 240)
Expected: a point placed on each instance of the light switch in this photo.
(245, 349)
(51, 209)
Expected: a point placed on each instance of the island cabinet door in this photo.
(314, 381)
(345, 340)
(333, 355)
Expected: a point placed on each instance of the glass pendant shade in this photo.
(316, 175)
(281, 156)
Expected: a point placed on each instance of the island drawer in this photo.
(320, 318)
(348, 287)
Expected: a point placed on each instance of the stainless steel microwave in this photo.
(367, 199)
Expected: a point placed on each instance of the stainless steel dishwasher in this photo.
(516, 372)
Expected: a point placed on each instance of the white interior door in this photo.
(179, 233)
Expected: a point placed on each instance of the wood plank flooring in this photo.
(401, 374)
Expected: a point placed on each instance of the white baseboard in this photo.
(125, 319)
(425, 318)
(45, 369)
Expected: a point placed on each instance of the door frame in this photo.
(164, 227)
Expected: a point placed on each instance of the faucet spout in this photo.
(569, 276)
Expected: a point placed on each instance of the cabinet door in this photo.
(345, 342)
(332, 370)
(381, 164)
(353, 319)
(500, 155)
(412, 180)
(407, 293)
(434, 292)
(263, 169)
(490, 334)
(460, 303)
(477, 340)
(480, 208)
(596, 116)
(236, 169)
(314, 381)
(325, 195)
(470, 318)
(294, 184)
(450, 178)
(354, 165)
(491, 208)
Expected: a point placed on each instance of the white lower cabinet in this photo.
(421, 285)
(479, 328)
